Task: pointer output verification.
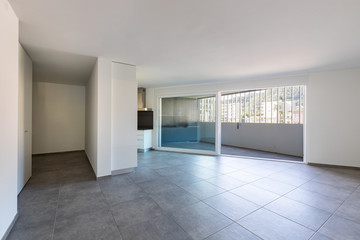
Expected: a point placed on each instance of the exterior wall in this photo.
(279, 138)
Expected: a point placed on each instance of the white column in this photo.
(123, 118)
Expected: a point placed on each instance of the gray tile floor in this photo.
(183, 196)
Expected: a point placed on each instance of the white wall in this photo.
(123, 117)
(91, 118)
(333, 118)
(58, 117)
(9, 63)
(150, 98)
(25, 118)
(104, 118)
(279, 138)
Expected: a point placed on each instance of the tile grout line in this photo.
(165, 212)
(109, 208)
(56, 212)
(333, 213)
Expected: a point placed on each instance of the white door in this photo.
(25, 119)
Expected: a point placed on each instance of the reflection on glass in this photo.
(188, 122)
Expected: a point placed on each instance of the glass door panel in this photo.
(188, 122)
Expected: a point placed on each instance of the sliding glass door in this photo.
(188, 123)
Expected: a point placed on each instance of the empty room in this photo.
(216, 120)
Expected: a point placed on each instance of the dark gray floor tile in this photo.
(38, 195)
(74, 175)
(91, 225)
(328, 190)
(237, 163)
(287, 178)
(350, 209)
(161, 228)
(183, 179)
(34, 215)
(143, 175)
(49, 179)
(118, 194)
(260, 170)
(79, 189)
(156, 165)
(233, 232)
(173, 199)
(338, 180)
(319, 236)
(135, 211)
(303, 214)
(299, 173)
(200, 220)
(176, 160)
(203, 189)
(225, 182)
(42, 231)
(254, 194)
(268, 225)
(273, 185)
(74, 205)
(314, 199)
(168, 171)
(114, 182)
(204, 173)
(206, 163)
(232, 206)
(157, 185)
(278, 166)
(222, 168)
(244, 176)
(340, 229)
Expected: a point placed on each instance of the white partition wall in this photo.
(111, 118)
(25, 118)
(9, 63)
(123, 117)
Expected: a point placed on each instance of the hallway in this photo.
(183, 196)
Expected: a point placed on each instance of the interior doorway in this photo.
(264, 123)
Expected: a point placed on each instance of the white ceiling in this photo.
(176, 42)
